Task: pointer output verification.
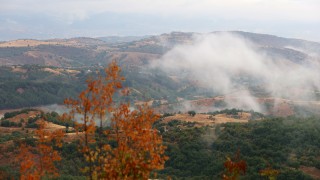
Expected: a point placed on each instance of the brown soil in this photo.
(279, 106)
(312, 171)
(32, 43)
(24, 43)
(52, 127)
(18, 69)
(141, 103)
(52, 71)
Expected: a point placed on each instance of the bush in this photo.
(192, 113)
(7, 123)
(32, 125)
(167, 114)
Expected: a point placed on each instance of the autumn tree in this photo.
(234, 168)
(137, 147)
(36, 162)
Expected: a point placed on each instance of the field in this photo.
(206, 119)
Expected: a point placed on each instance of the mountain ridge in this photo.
(49, 63)
(98, 50)
(137, 38)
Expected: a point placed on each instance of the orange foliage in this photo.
(38, 161)
(94, 103)
(270, 173)
(234, 168)
(27, 163)
(138, 148)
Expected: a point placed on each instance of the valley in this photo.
(216, 94)
(63, 65)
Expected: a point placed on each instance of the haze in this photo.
(44, 19)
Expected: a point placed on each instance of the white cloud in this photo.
(217, 60)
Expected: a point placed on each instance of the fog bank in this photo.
(228, 63)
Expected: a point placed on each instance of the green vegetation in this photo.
(6, 123)
(36, 87)
(31, 86)
(8, 137)
(31, 123)
(235, 113)
(192, 113)
(283, 143)
(55, 118)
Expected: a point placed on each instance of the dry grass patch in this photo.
(18, 69)
(56, 72)
(206, 119)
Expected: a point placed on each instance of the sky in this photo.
(46, 19)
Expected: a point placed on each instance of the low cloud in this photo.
(227, 63)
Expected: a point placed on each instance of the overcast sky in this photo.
(45, 19)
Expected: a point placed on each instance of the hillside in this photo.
(88, 51)
(57, 68)
(196, 149)
(27, 86)
(281, 144)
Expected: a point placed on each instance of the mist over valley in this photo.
(174, 72)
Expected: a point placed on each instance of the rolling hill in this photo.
(45, 68)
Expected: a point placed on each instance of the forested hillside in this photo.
(288, 145)
(284, 144)
(32, 85)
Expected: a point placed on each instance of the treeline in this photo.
(283, 144)
(235, 112)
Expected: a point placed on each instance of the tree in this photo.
(192, 113)
(136, 148)
(234, 168)
(139, 146)
(38, 161)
